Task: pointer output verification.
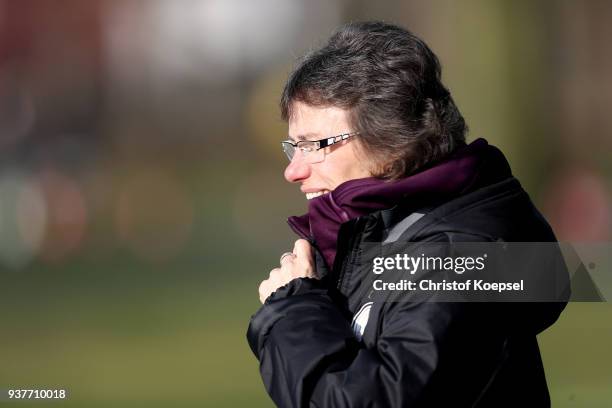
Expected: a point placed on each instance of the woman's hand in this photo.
(293, 265)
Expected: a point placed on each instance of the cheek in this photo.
(339, 167)
(337, 175)
(323, 175)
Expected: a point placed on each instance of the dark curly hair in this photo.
(389, 81)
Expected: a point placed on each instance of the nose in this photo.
(297, 170)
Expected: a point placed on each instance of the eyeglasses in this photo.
(312, 149)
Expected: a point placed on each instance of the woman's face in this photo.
(341, 162)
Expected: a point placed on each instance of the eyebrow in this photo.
(305, 136)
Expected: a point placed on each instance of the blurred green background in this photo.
(141, 191)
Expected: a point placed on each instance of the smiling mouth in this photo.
(310, 196)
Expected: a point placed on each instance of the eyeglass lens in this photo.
(309, 151)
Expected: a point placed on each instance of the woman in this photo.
(377, 145)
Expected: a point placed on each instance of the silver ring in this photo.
(284, 255)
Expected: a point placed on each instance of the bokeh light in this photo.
(22, 219)
(67, 215)
(31, 215)
(579, 206)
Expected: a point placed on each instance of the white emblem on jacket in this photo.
(360, 320)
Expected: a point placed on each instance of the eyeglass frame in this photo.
(320, 144)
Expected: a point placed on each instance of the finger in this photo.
(302, 249)
(287, 257)
(304, 259)
(273, 273)
(264, 291)
(279, 277)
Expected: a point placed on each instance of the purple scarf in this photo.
(467, 169)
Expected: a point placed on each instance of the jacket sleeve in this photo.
(309, 355)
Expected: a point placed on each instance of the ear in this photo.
(386, 168)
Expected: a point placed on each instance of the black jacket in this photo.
(409, 354)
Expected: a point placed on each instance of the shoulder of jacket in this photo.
(474, 214)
